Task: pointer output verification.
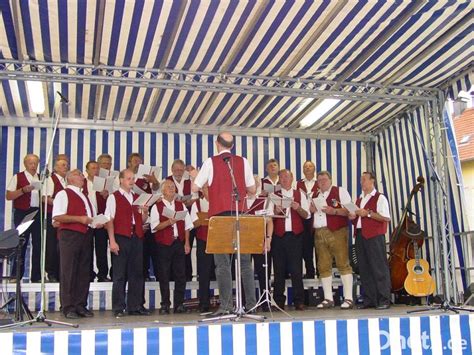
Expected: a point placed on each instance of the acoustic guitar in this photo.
(419, 282)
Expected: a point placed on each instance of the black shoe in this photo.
(264, 308)
(180, 309)
(84, 313)
(203, 309)
(103, 279)
(309, 275)
(383, 306)
(365, 306)
(140, 312)
(52, 278)
(71, 315)
(164, 310)
(119, 314)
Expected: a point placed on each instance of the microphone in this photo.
(63, 98)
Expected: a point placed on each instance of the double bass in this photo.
(404, 237)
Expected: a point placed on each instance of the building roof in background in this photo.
(464, 128)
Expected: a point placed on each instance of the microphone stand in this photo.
(41, 316)
(239, 311)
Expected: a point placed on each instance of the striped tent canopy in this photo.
(421, 43)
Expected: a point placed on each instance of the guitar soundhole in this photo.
(418, 269)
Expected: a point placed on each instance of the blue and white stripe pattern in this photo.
(345, 159)
(275, 38)
(407, 335)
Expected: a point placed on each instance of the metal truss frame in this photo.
(431, 100)
(213, 82)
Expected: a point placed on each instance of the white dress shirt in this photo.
(155, 218)
(91, 193)
(111, 205)
(382, 206)
(320, 218)
(206, 173)
(309, 183)
(194, 210)
(50, 187)
(61, 202)
(304, 205)
(34, 202)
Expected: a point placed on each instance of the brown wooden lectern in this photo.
(222, 231)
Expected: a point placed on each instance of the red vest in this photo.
(123, 217)
(75, 207)
(186, 187)
(57, 187)
(201, 230)
(24, 201)
(296, 220)
(101, 202)
(301, 185)
(144, 185)
(166, 235)
(334, 222)
(370, 227)
(220, 191)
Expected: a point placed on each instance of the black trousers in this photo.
(308, 248)
(205, 267)
(35, 232)
(52, 261)
(189, 264)
(101, 244)
(128, 267)
(259, 269)
(171, 260)
(149, 249)
(373, 269)
(74, 248)
(286, 253)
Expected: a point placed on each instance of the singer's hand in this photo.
(312, 209)
(295, 205)
(28, 188)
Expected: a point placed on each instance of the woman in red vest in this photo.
(287, 242)
(370, 223)
(172, 244)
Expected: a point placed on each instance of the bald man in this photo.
(216, 174)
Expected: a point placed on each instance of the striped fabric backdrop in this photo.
(407, 335)
(400, 159)
(345, 159)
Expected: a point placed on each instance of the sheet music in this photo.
(138, 190)
(178, 215)
(146, 199)
(271, 188)
(100, 184)
(320, 203)
(168, 213)
(99, 219)
(36, 185)
(184, 198)
(147, 170)
(351, 207)
(106, 173)
(22, 228)
(282, 202)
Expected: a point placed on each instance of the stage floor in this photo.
(313, 331)
(107, 320)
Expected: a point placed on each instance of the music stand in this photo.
(13, 240)
(223, 237)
